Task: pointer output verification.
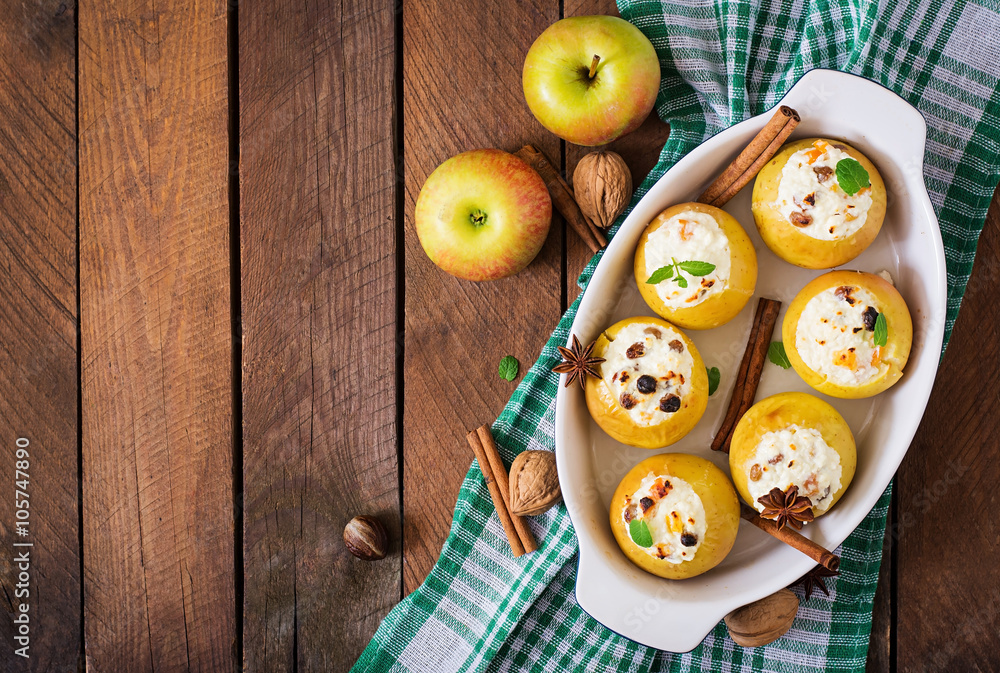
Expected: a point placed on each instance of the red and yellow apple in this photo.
(483, 215)
(591, 79)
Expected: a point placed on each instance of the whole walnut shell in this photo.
(602, 184)
(365, 537)
(534, 483)
(763, 621)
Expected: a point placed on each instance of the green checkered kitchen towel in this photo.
(722, 61)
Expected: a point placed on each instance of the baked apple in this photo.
(709, 266)
(675, 515)
(848, 334)
(653, 386)
(793, 439)
(818, 203)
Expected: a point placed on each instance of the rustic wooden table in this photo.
(222, 340)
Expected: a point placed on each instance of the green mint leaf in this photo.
(881, 330)
(696, 268)
(852, 176)
(661, 274)
(776, 354)
(509, 367)
(639, 531)
(714, 376)
(682, 281)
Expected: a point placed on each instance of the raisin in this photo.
(777, 459)
(676, 345)
(652, 331)
(755, 473)
(646, 384)
(624, 377)
(646, 503)
(629, 513)
(689, 540)
(636, 350)
(810, 199)
(823, 173)
(627, 401)
(660, 489)
(857, 329)
(670, 403)
(870, 316)
(800, 219)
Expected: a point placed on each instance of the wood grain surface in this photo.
(947, 532)
(156, 337)
(457, 331)
(38, 334)
(319, 274)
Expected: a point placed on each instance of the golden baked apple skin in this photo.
(778, 412)
(800, 249)
(614, 420)
(894, 354)
(717, 309)
(722, 513)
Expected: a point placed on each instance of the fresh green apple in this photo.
(591, 79)
(483, 215)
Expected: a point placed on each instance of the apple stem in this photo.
(593, 66)
(477, 217)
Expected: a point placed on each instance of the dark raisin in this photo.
(870, 316)
(676, 345)
(823, 173)
(670, 403)
(627, 400)
(857, 329)
(646, 384)
(646, 503)
(660, 489)
(689, 539)
(800, 219)
(810, 199)
(624, 377)
(777, 459)
(652, 331)
(636, 350)
(629, 513)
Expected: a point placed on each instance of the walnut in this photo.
(763, 621)
(534, 483)
(603, 187)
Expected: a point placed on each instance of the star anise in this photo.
(578, 363)
(786, 507)
(816, 579)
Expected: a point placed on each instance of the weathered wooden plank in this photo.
(318, 189)
(462, 66)
(948, 532)
(38, 338)
(156, 337)
(880, 644)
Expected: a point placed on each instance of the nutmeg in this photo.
(602, 184)
(365, 537)
(534, 483)
(763, 621)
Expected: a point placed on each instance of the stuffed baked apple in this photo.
(653, 386)
(695, 266)
(793, 439)
(848, 334)
(818, 203)
(675, 515)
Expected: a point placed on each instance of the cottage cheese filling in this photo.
(835, 335)
(795, 456)
(689, 236)
(648, 370)
(674, 513)
(810, 197)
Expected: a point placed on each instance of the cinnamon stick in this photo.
(749, 162)
(563, 198)
(501, 478)
(751, 367)
(499, 494)
(793, 538)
